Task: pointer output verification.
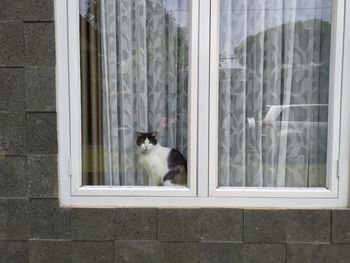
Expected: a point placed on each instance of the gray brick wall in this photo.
(34, 229)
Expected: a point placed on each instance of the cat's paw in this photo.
(168, 183)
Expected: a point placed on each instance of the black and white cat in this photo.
(163, 165)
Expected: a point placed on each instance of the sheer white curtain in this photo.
(145, 76)
(274, 75)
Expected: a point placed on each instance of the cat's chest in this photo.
(152, 163)
(155, 163)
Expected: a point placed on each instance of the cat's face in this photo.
(146, 141)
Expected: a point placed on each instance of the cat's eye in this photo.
(205, 103)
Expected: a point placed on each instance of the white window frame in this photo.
(203, 188)
(333, 118)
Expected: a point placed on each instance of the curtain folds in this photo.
(91, 97)
(134, 77)
(145, 75)
(273, 88)
(274, 70)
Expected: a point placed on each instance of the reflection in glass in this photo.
(273, 92)
(134, 78)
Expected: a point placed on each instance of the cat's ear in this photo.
(138, 133)
(154, 134)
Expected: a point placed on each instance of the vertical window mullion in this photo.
(193, 99)
(203, 97)
(214, 95)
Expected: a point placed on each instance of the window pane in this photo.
(134, 82)
(273, 92)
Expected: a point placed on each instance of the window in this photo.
(135, 73)
(203, 103)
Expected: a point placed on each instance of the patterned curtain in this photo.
(144, 56)
(274, 76)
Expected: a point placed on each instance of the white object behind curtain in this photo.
(145, 72)
(274, 75)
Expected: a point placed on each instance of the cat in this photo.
(164, 166)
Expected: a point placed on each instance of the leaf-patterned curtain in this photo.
(274, 76)
(144, 55)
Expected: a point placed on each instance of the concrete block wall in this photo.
(33, 228)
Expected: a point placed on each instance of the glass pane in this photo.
(273, 92)
(134, 83)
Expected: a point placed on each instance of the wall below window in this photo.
(34, 229)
